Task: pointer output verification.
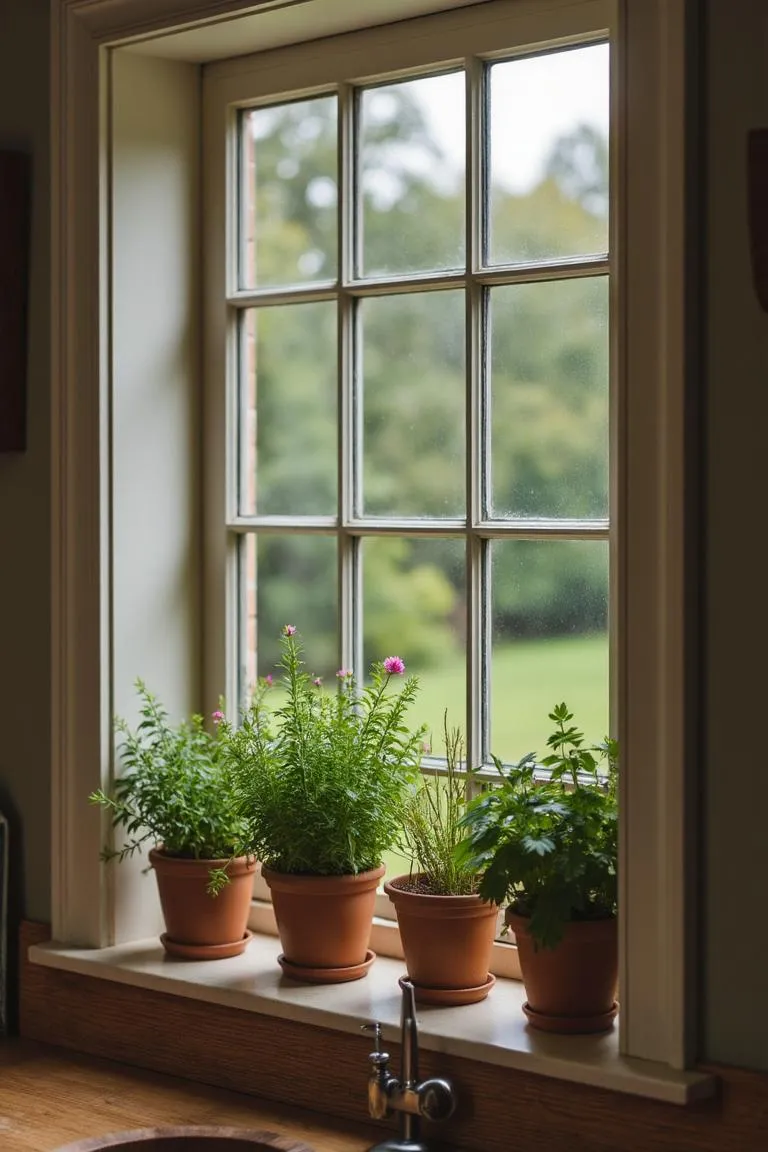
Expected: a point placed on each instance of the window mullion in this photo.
(348, 552)
(475, 547)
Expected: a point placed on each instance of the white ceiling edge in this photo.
(285, 22)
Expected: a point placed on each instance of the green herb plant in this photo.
(432, 829)
(548, 847)
(324, 778)
(174, 790)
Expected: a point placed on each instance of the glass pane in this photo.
(414, 603)
(549, 399)
(549, 156)
(549, 617)
(288, 580)
(288, 414)
(413, 392)
(289, 190)
(412, 161)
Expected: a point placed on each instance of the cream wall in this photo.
(25, 501)
(156, 435)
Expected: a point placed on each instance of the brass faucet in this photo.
(435, 1099)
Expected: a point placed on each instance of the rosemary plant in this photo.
(324, 778)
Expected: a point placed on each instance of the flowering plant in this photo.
(175, 790)
(324, 778)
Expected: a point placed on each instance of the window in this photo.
(155, 208)
(410, 370)
(418, 329)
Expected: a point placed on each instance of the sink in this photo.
(189, 1140)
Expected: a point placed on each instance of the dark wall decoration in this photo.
(758, 211)
(14, 265)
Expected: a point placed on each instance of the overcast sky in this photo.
(533, 101)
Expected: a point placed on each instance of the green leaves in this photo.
(323, 780)
(432, 827)
(174, 789)
(539, 846)
(548, 846)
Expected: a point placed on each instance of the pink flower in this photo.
(426, 748)
(289, 630)
(217, 716)
(317, 681)
(344, 673)
(394, 666)
(268, 680)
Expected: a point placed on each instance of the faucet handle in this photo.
(380, 1080)
(437, 1098)
(378, 1057)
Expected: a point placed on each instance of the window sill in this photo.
(493, 1032)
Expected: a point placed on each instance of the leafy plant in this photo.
(324, 779)
(432, 828)
(174, 790)
(548, 847)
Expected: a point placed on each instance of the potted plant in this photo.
(447, 929)
(548, 848)
(175, 791)
(323, 780)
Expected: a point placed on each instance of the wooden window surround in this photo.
(655, 689)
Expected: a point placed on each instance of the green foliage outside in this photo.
(548, 360)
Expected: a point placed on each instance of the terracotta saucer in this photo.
(449, 997)
(306, 975)
(571, 1025)
(205, 951)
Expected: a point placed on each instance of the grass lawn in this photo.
(528, 678)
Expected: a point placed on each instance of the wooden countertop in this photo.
(50, 1097)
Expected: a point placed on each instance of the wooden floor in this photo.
(49, 1097)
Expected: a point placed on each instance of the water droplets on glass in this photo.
(411, 176)
(288, 410)
(289, 193)
(548, 185)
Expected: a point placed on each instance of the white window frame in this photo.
(230, 87)
(657, 922)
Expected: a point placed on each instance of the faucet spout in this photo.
(411, 1098)
(409, 1035)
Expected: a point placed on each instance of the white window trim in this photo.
(438, 42)
(231, 86)
(657, 926)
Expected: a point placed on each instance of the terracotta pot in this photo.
(199, 926)
(447, 942)
(324, 923)
(570, 988)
